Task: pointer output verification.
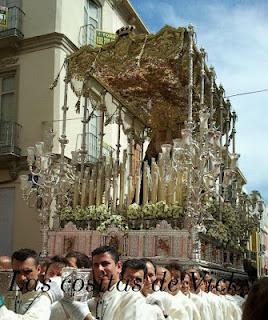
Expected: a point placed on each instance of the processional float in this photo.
(186, 181)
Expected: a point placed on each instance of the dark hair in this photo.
(256, 305)
(173, 266)
(150, 261)
(23, 254)
(82, 260)
(60, 260)
(106, 249)
(185, 273)
(136, 264)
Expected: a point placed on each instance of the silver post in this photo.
(83, 150)
(202, 93)
(190, 74)
(227, 132)
(101, 134)
(234, 117)
(63, 139)
(118, 145)
(212, 79)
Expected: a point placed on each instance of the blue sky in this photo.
(234, 34)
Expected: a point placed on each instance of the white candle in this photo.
(39, 147)
(83, 193)
(31, 155)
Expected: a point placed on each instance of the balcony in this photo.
(9, 140)
(11, 34)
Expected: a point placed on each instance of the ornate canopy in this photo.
(148, 74)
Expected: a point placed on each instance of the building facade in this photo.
(35, 38)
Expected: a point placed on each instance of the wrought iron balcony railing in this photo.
(87, 35)
(14, 24)
(9, 138)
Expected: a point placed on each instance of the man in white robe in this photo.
(189, 289)
(115, 300)
(157, 290)
(32, 300)
(175, 289)
(234, 312)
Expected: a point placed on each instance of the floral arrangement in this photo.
(134, 211)
(113, 220)
(218, 231)
(99, 213)
(234, 226)
(158, 210)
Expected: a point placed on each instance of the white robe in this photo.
(202, 306)
(189, 306)
(123, 305)
(217, 306)
(173, 308)
(58, 312)
(38, 310)
(234, 310)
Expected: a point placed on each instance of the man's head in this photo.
(196, 281)
(186, 282)
(212, 286)
(5, 262)
(223, 287)
(55, 266)
(175, 270)
(163, 276)
(106, 267)
(151, 277)
(78, 260)
(25, 264)
(134, 272)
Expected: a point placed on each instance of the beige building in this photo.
(35, 38)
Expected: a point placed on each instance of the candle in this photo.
(39, 147)
(130, 190)
(138, 184)
(76, 192)
(24, 181)
(145, 183)
(30, 155)
(155, 179)
(83, 193)
(122, 186)
(171, 190)
(91, 192)
(44, 162)
(107, 186)
(179, 187)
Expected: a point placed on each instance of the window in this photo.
(7, 98)
(92, 21)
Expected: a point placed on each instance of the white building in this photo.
(35, 38)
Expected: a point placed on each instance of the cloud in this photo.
(234, 33)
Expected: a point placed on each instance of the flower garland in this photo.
(158, 210)
(113, 220)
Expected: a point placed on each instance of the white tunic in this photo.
(37, 309)
(172, 307)
(217, 306)
(202, 306)
(123, 305)
(234, 310)
(189, 306)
